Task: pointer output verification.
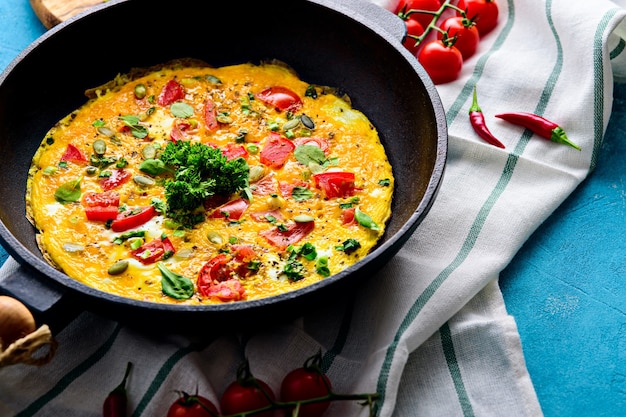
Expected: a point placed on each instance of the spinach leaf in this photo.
(175, 285)
(68, 192)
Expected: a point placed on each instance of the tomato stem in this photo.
(404, 14)
(368, 399)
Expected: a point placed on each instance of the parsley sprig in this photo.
(200, 171)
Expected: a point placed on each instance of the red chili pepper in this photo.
(477, 119)
(539, 125)
(115, 402)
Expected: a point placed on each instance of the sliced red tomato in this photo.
(107, 198)
(293, 234)
(347, 216)
(264, 216)
(179, 129)
(168, 246)
(265, 186)
(172, 91)
(130, 219)
(243, 253)
(276, 151)
(281, 98)
(229, 290)
(118, 177)
(215, 280)
(335, 184)
(150, 252)
(233, 151)
(215, 270)
(233, 210)
(286, 188)
(73, 154)
(210, 116)
(101, 213)
(319, 142)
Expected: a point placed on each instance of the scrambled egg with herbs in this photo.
(200, 185)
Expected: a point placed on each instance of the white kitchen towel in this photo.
(429, 333)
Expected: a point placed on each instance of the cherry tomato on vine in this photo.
(305, 384)
(466, 32)
(247, 393)
(483, 12)
(423, 18)
(441, 60)
(191, 406)
(413, 28)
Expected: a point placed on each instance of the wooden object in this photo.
(53, 12)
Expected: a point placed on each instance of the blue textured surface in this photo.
(565, 287)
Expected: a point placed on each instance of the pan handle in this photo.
(48, 302)
(376, 14)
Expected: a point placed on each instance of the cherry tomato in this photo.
(281, 97)
(229, 290)
(73, 154)
(191, 406)
(442, 62)
(118, 177)
(413, 28)
(483, 12)
(241, 397)
(276, 151)
(293, 234)
(171, 92)
(423, 18)
(335, 184)
(467, 36)
(305, 384)
(130, 219)
(233, 210)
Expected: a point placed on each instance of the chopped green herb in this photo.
(365, 220)
(349, 246)
(175, 285)
(385, 182)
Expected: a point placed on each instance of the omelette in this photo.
(192, 184)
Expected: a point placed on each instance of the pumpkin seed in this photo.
(303, 218)
(100, 147)
(223, 118)
(106, 131)
(148, 152)
(215, 237)
(91, 170)
(307, 122)
(291, 124)
(256, 173)
(73, 247)
(143, 180)
(118, 267)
